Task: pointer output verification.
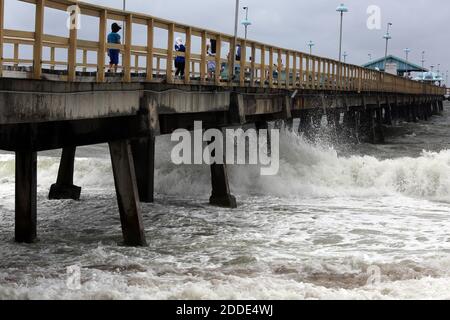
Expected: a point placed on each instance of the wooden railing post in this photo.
(136, 63)
(288, 72)
(2, 19)
(219, 61)
(300, 82)
(271, 67)
(359, 80)
(52, 58)
(319, 72)
(16, 54)
(280, 69)
(203, 55)
(308, 71)
(170, 47)
(294, 69)
(187, 56)
(149, 58)
(243, 62)
(84, 60)
(263, 67)
(72, 54)
(314, 83)
(38, 37)
(252, 65)
(127, 50)
(101, 46)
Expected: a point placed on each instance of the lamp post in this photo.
(439, 68)
(446, 78)
(246, 23)
(387, 36)
(341, 9)
(370, 56)
(233, 49)
(407, 51)
(310, 45)
(423, 60)
(345, 55)
(123, 27)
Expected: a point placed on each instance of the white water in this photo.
(310, 232)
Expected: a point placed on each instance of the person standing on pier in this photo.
(114, 37)
(179, 61)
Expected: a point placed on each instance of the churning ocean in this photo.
(339, 221)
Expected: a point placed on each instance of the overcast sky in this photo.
(417, 24)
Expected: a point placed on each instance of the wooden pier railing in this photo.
(261, 65)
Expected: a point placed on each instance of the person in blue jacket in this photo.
(114, 37)
(179, 61)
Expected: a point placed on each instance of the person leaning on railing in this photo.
(180, 62)
(114, 37)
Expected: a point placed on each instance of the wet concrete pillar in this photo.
(264, 125)
(144, 163)
(221, 195)
(127, 193)
(378, 129)
(408, 112)
(289, 124)
(366, 126)
(440, 105)
(316, 121)
(64, 187)
(26, 192)
(305, 125)
(387, 114)
(350, 124)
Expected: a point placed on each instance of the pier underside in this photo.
(40, 115)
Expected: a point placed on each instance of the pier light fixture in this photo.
(407, 51)
(234, 46)
(345, 55)
(387, 36)
(311, 45)
(246, 23)
(341, 9)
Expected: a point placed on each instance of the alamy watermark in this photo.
(74, 19)
(261, 146)
(374, 19)
(73, 281)
(374, 275)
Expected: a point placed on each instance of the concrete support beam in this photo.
(263, 125)
(441, 105)
(64, 187)
(378, 130)
(387, 114)
(144, 164)
(127, 193)
(26, 188)
(350, 125)
(221, 195)
(366, 126)
(305, 125)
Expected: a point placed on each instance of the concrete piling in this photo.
(64, 187)
(127, 193)
(144, 163)
(26, 188)
(221, 195)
